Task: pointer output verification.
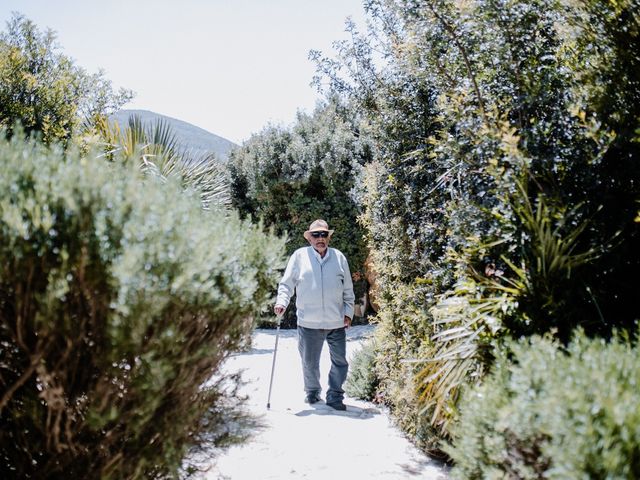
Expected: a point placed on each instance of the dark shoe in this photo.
(312, 398)
(337, 405)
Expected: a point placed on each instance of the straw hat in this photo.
(317, 226)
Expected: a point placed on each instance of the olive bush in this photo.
(120, 297)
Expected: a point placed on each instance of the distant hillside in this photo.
(189, 136)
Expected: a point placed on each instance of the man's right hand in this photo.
(279, 310)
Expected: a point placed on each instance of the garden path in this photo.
(311, 442)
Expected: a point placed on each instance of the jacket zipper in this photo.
(322, 287)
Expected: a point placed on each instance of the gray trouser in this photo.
(310, 343)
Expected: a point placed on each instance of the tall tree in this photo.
(44, 90)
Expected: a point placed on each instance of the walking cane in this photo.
(273, 364)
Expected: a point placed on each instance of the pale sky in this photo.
(228, 66)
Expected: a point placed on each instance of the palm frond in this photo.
(161, 134)
(202, 173)
(157, 149)
(553, 243)
(464, 315)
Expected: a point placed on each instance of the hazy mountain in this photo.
(189, 136)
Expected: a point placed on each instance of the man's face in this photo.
(320, 241)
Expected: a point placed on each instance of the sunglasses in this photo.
(319, 234)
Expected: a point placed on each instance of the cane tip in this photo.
(268, 406)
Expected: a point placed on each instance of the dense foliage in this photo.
(288, 177)
(116, 312)
(482, 155)
(44, 90)
(549, 412)
(504, 184)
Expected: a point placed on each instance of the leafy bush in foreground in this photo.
(119, 299)
(556, 413)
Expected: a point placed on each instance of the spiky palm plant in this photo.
(482, 305)
(466, 319)
(156, 147)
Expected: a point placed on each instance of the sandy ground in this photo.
(303, 441)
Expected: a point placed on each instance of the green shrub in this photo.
(120, 297)
(362, 381)
(552, 412)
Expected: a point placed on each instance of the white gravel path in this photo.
(311, 442)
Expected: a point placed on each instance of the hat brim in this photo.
(308, 233)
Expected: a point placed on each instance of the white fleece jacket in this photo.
(323, 287)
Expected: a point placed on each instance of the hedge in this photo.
(120, 298)
(553, 412)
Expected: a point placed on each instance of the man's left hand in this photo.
(347, 322)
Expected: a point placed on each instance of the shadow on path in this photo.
(352, 411)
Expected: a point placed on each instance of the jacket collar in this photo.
(317, 256)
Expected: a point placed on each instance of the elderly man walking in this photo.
(321, 279)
